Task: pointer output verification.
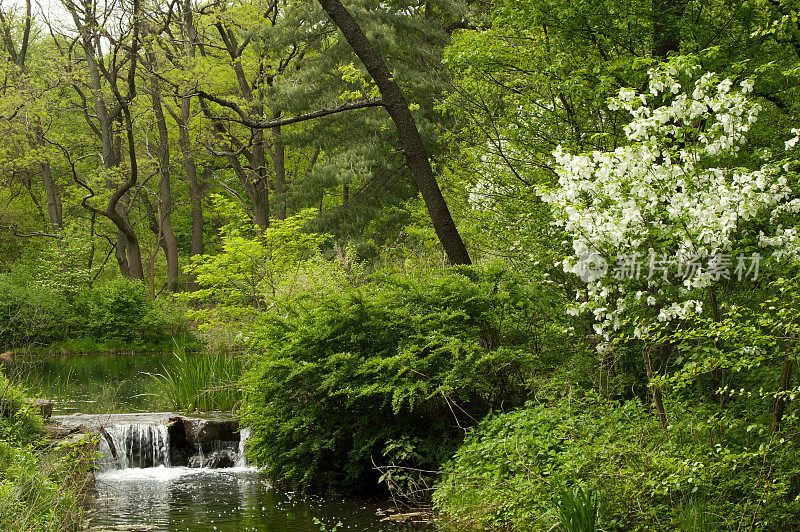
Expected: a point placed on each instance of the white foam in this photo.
(162, 473)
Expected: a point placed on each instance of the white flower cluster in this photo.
(663, 193)
(789, 144)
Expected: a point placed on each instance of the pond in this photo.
(181, 498)
(95, 384)
(236, 499)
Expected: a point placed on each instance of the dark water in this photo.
(95, 384)
(181, 499)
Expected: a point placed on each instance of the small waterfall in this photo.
(169, 444)
(241, 455)
(132, 445)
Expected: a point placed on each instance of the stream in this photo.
(144, 480)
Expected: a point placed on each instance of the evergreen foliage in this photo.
(336, 384)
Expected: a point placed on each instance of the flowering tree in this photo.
(658, 223)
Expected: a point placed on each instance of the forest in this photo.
(518, 265)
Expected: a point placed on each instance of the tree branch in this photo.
(255, 124)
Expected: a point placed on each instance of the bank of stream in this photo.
(175, 472)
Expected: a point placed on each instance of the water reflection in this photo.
(94, 384)
(182, 499)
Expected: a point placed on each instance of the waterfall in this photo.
(168, 444)
(134, 445)
(241, 456)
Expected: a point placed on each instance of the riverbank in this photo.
(42, 485)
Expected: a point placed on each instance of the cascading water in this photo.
(132, 445)
(171, 473)
(165, 444)
(241, 458)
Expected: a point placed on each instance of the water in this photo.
(94, 384)
(136, 490)
(136, 486)
(137, 445)
(236, 499)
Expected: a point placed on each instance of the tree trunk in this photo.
(780, 402)
(397, 106)
(128, 252)
(54, 207)
(279, 165)
(195, 189)
(657, 399)
(165, 190)
(259, 186)
(667, 15)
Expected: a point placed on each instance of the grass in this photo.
(41, 487)
(578, 510)
(202, 382)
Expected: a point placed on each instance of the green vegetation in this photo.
(115, 315)
(204, 382)
(536, 263)
(41, 489)
(387, 375)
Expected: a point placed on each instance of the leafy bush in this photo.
(39, 490)
(121, 311)
(389, 376)
(708, 468)
(117, 313)
(28, 315)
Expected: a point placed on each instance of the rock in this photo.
(57, 431)
(206, 430)
(411, 517)
(215, 460)
(178, 446)
(45, 406)
(220, 459)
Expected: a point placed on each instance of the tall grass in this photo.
(578, 510)
(202, 382)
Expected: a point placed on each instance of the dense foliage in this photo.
(389, 375)
(709, 471)
(39, 490)
(114, 315)
(624, 174)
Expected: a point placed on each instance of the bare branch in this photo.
(255, 124)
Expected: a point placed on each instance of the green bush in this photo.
(115, 314)
(121, 313)
(39, 490)
(707, 468)
(29, 315)
(389, 376)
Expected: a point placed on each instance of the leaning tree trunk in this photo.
(395, 102)
(279, 165)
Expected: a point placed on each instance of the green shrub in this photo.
(39, 490)
(707, 468)
(122, 313)
(389, 376)
(29, 315)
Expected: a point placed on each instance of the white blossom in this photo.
(655, 189)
